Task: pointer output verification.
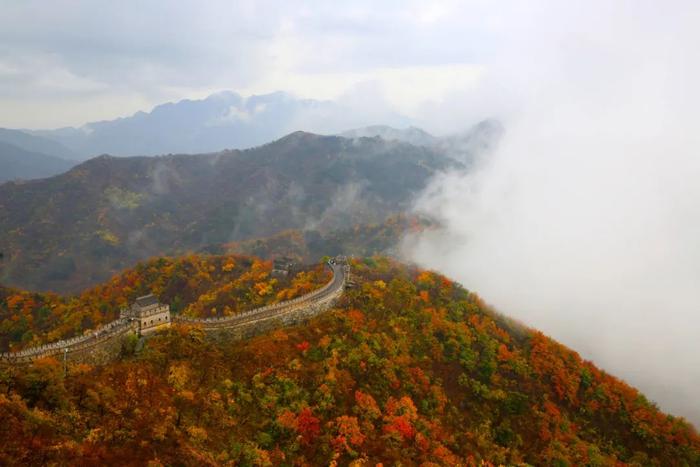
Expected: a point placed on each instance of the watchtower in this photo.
(149, 313)
(282, 266)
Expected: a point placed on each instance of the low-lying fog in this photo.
(585, 222)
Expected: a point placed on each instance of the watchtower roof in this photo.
(147, 300)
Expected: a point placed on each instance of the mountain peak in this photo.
(300, 135)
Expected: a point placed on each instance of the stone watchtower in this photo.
(282, 266)
(149, 313)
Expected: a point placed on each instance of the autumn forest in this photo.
(296, 233)
(408, 368)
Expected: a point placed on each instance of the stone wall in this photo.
(262, 323)
(105, 343)
(157, 319)
(322, 297)
(98, 347)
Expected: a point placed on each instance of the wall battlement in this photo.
(147, 315)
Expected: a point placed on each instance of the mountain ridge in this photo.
(219, 121)
(109, 212)
(467, 145)
(412, 135)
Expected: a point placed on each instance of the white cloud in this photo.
(405, 90)
(585, 223)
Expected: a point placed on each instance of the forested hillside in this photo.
(311, 245)
(80, 228)
(409, 369)
(196, 286)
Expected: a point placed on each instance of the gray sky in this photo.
(68, 62)
(585, 223)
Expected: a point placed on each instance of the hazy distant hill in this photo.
(78, 228)
(226, 120)
(17, 163)
(34, 143)
(477, 140)
(411, 135)
(464, 146)
(221, 121)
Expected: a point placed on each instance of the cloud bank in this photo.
(585, 221)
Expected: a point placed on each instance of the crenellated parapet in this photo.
(319, 299)
(147, 314)
(99, 336)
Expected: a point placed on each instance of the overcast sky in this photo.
(66, 62)
(584, 223)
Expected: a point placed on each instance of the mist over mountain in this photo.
(465, 145)
(411, 135)
(476, 141)
(78, 228)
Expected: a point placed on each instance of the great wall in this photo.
(104, 343)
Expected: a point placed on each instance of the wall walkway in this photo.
(104, 343)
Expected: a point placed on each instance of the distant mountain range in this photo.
(76, 229)
(24, 156)
(34, 143)
(224, 120)
(19, 164)
(221, 121)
